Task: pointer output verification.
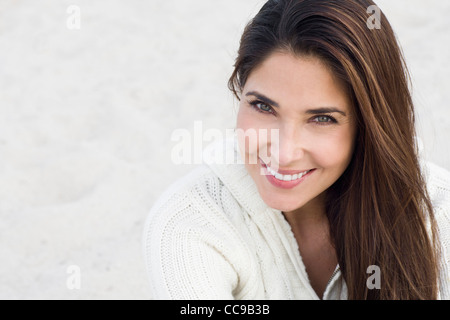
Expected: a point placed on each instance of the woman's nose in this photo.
(288, 149)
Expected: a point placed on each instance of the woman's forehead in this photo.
(287, 79)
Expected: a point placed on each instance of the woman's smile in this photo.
(285, 179)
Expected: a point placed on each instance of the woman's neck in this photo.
(310, 219)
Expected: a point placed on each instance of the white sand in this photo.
(87, 116)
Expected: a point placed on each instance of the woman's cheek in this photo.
(330, 151)
(253, 132)
(247, 135)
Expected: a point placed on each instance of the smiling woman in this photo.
(342, 191)
(315, 147)
(317, 141)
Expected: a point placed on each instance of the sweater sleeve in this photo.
(187, 249)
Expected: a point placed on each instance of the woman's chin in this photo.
(282, 206)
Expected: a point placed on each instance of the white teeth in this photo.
(286, 177)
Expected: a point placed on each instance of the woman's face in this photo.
(302, 119)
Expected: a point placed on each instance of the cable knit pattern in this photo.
(210, 236)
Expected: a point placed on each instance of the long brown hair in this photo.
(379, 210)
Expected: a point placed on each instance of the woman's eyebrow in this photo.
(269, 101)
(325, 110)
(263, 98)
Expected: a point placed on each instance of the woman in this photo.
(337, 204)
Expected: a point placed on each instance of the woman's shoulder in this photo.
(184, 229)
(183, 186)
(438, 185)
(187, 195)
(197, 202)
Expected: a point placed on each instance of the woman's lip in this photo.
(285, 172)
(286, 184)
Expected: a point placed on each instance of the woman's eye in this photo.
(324, 119)
(261, 107)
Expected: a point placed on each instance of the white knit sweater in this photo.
(210, 236)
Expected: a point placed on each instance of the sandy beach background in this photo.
(87, 114)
